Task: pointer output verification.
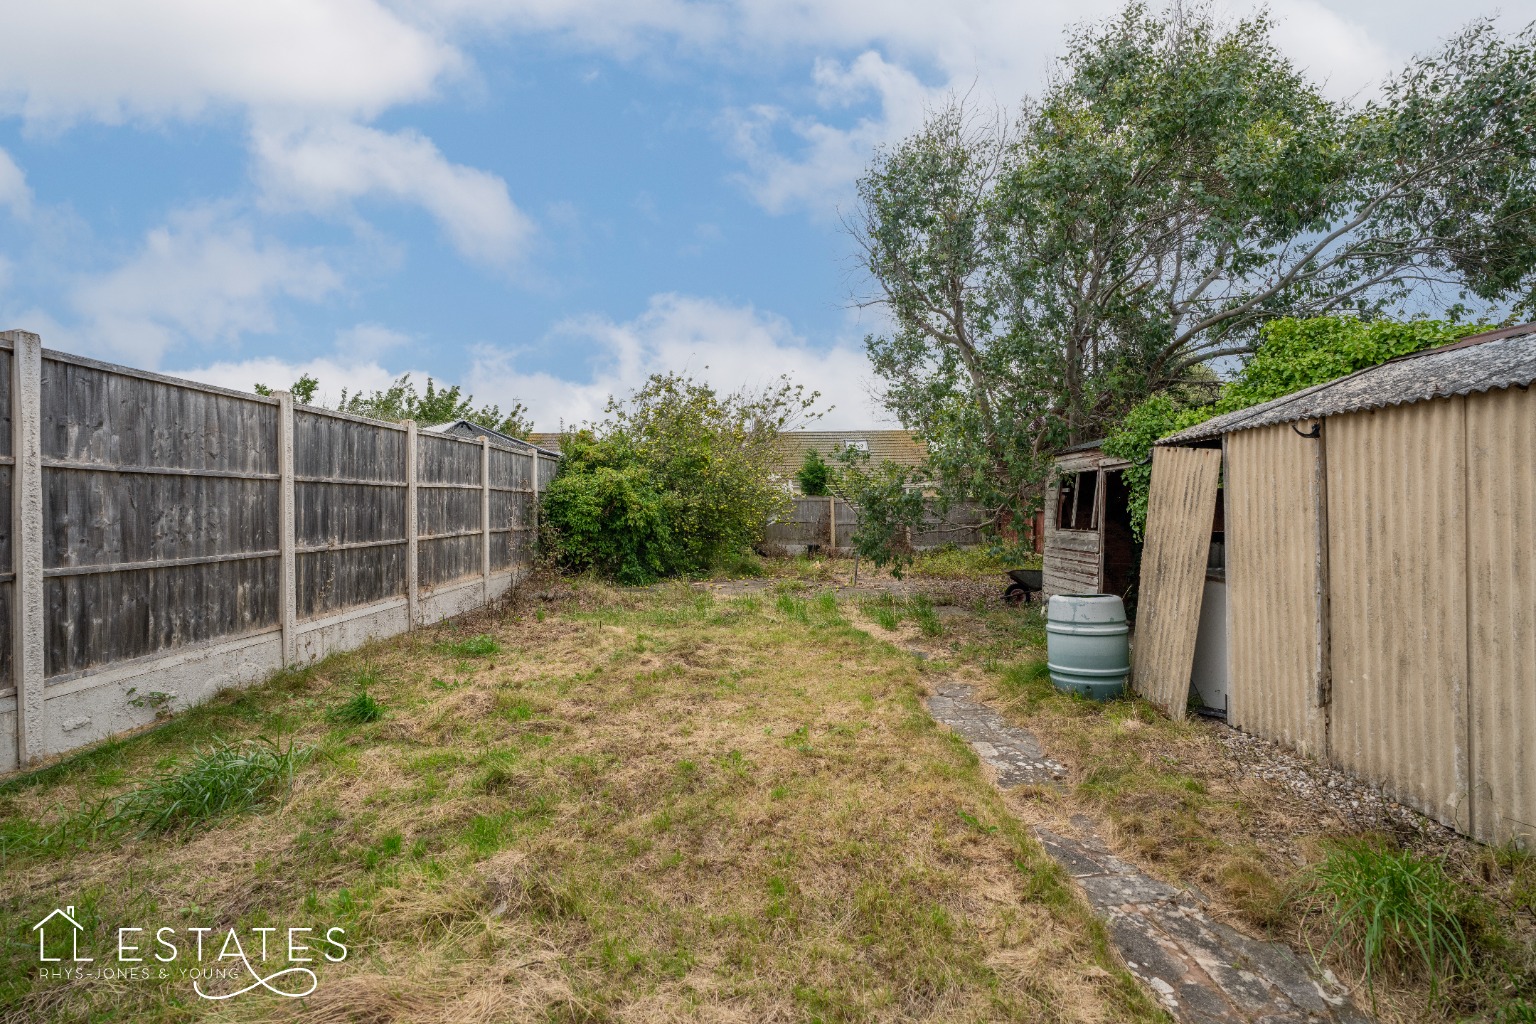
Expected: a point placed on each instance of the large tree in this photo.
(1178, 184)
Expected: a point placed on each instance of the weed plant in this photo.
(360, 710)
(1393, 909)
(224, 778)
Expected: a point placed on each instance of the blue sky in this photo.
(542, 200)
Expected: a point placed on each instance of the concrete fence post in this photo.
(831, 524)
(533, 546)
(412, 578)
(27, 666)
(287, 575)
(485, 518)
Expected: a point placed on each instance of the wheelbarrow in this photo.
(1023, 582)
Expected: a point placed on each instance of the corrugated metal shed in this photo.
(1395, 539)
(1483, 362)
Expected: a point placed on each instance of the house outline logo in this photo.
(68, 914)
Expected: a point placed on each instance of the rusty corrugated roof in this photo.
(1483, 362)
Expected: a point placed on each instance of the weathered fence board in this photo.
(160, 515)
(107, 517)
(808, 524)
(114, 417)
(100, 618)
(331, 581)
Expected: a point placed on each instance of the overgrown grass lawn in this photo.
(631, 806)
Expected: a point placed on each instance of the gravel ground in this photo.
(1330, 791)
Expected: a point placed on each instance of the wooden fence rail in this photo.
(828, 524)
(169, 539)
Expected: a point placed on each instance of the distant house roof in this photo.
(898, 446)
(549, 442)
(464, 428)
(1483, 362)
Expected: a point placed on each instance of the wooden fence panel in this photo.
(349, 512)
(448, 493)
(160, 514)
(1181, 510)
(150, 515)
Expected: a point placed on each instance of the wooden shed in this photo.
(1089, 548)
(1381, 574)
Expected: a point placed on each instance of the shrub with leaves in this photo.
(814, 474)
(891, 506)
(1293, 354)
(676, 480)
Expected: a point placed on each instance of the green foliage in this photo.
(401, 401)
(1293, 354)
(222, 779)
(1393, 909)
(675, 481)
(889, 498)
(360, 710)
(814, 474)
(1296, 353)
(1176, 186)
(303, 389)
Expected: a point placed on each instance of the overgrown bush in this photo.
(1292, 354)
(676, 480)
(891, 506)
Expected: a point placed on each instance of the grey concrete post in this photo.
(831, 524)
(27, 666)
(287, 575)
(412, 580)
(533, 545)
(485, 516)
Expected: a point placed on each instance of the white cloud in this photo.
(731, 347)
(110, 60)
(200, 279)
(337, 372)
(827, 159)
(325, 166)
(1339, 52)
(13, 187)
(355, 343)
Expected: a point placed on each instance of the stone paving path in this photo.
(1202, 971)
(1011, 752)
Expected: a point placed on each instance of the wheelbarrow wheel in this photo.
(1016, 594)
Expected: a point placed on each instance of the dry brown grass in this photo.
(648, 806)
(1173, 799)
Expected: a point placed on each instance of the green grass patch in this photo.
(482, 646)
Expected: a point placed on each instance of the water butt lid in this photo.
(1086, 608)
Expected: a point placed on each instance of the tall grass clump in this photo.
(222, 779)
(1393, 910)
(360, 710)
(926, 618)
